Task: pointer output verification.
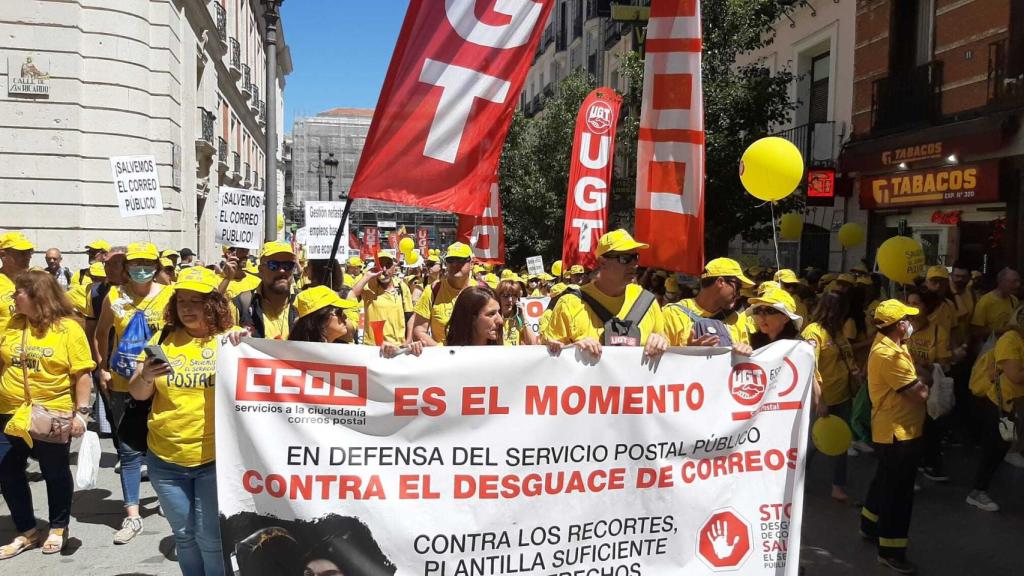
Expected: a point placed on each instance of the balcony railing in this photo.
(816, 141)
(236, 163)
(1004, 87)
(222, 20)
(246, 173)
(263, 112)
(246, 81)
(234, 58)
(906, 99)
(204, 144)
(598, 8)
(222, 155)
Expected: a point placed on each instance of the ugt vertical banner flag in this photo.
(593, 149)
(447, 102)
(670, 149)
(423, 242)
(485, 234)
(555, 465)
(371, 243)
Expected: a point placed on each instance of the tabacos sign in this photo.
(945, 185)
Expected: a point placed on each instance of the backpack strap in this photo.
(434, 289)
(602, 313)
(640, 307)
(243, 303)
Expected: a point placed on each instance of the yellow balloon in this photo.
(831, 435)
(280, 222)
(412, 257)
(791, 226)
(901, 259)
(771, 168)
(851, 234)
(406, 245)
(556, 268)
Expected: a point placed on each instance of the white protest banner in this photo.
(533, 309)
(239, 218)
(535, 264)
(302, 235)
(322, 220)
(548, 465)
(137, 185)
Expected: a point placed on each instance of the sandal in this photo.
(20, 543)
(55, 541)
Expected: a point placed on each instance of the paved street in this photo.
(948, 538)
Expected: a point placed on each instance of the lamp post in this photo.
(331, 172)
(271, 16)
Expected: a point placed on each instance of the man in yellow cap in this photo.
(353, 271)
(710, 318)
(15, 255)
(791, 284)
(995, 308)
(172, 255)
(898, 398)
(95, 251)
(434, 308)
(577, 274)
(143, 297)
(387, 302)
(236, 278)
(268, 310)
(611, 310)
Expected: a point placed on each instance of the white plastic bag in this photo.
(940, 397)
(88, 461)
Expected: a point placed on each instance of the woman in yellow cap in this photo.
(44, 344)
(476, 319)
(180, 438)
(324, 317)
(515, 331)
(775, 318)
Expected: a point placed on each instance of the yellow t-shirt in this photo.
(962, 329)
(350, 280)
(181, 422)
(573, 320)
(53, 360)
(993, 312)
(389, 307)
(891, 369)
(275, 327)
(1010, 346)
(6, 300)
(545, 320)
(512, 331)
(834, 357)
(679, 327)
(236, 287)
(930, 344)
(124, 305)
(440, 312)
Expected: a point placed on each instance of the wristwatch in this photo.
(84, 410)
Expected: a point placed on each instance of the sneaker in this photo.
(144, 471)
(1015, 459)
(117, 467)
(901, 565)
(934, 474)
(863, 447)
(851, 451)
(868, 537)
(981, 501)
(130, 528)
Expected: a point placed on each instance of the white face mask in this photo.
(909, 328)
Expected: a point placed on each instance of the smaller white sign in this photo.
(533, 309)
(26, 78)
(322, 221)
(137, 185)
(387, 224)
(240, 218)
(535, 264)
(301, 235)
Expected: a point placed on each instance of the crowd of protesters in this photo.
(74, 340)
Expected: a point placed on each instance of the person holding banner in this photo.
(898, 398)
(710, 318)
(476, 319)
(434, 309)
(141, 297)
(387, 302)
(515, 330)
(324, 317)
(611, 310)
(45, 360)
(268, 311)
(236, 278)
(181, 428)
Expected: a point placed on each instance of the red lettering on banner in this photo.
(473, 398)
(571, 400)
(407, 401)
(371, 242)
(312, 487)
(447, 102)
(272, 380)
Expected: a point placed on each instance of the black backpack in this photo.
(620, 332)
(703, 326)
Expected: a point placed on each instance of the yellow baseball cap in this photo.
(318, 297)
(617, 241)
(507, 274)
(433, 255)
(848, 278)
(274, 247)
(99, 245)
(479, 269)
(166, 263)
(937, 272)
(545, 277)
(251, 267)
(767, 285)
(491, 279)
(892, 311)
(386, 254)
(170, 252)
(558, 288)
(15, 241)
(859, 269)
(786, 276)
(780, 300)
(142, 251)
(577, 269)
(826, 278)
(720, 267)
(355, 261)
(96, 270)
(865, 280)
(198, 279)
(459, 250)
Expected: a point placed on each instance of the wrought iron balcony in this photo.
(246, 81)
(234, 59)
(263, 112)
(816, 142)
(907, 98)
(1005, 89)
(254, 102)
(222, 155)
(220, 17)
(236, 164)
(246, 174)
(204, 143)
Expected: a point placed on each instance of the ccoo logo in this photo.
(747, 383)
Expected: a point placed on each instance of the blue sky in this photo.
(340, 52)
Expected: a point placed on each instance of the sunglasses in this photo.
(765, 311)
(455, 261)
(280, 266)
(624, 259)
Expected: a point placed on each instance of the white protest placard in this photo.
(535, 264)
(301, 236)
(555, 465)
(239, 218)
(533, 308)
(322, 220)
(137, 185)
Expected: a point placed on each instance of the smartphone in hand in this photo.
(156, 353)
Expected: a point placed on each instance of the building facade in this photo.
(182, 80)
(936, 150)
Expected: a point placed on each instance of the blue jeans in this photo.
(54, 462)
(131, 460)
(189, 499)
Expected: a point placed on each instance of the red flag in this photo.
(447, 102)
(354, 243)
(393, 240)
(371, 243)
(586, 208)
(485, 234)
(423, 241)
(670, 150)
